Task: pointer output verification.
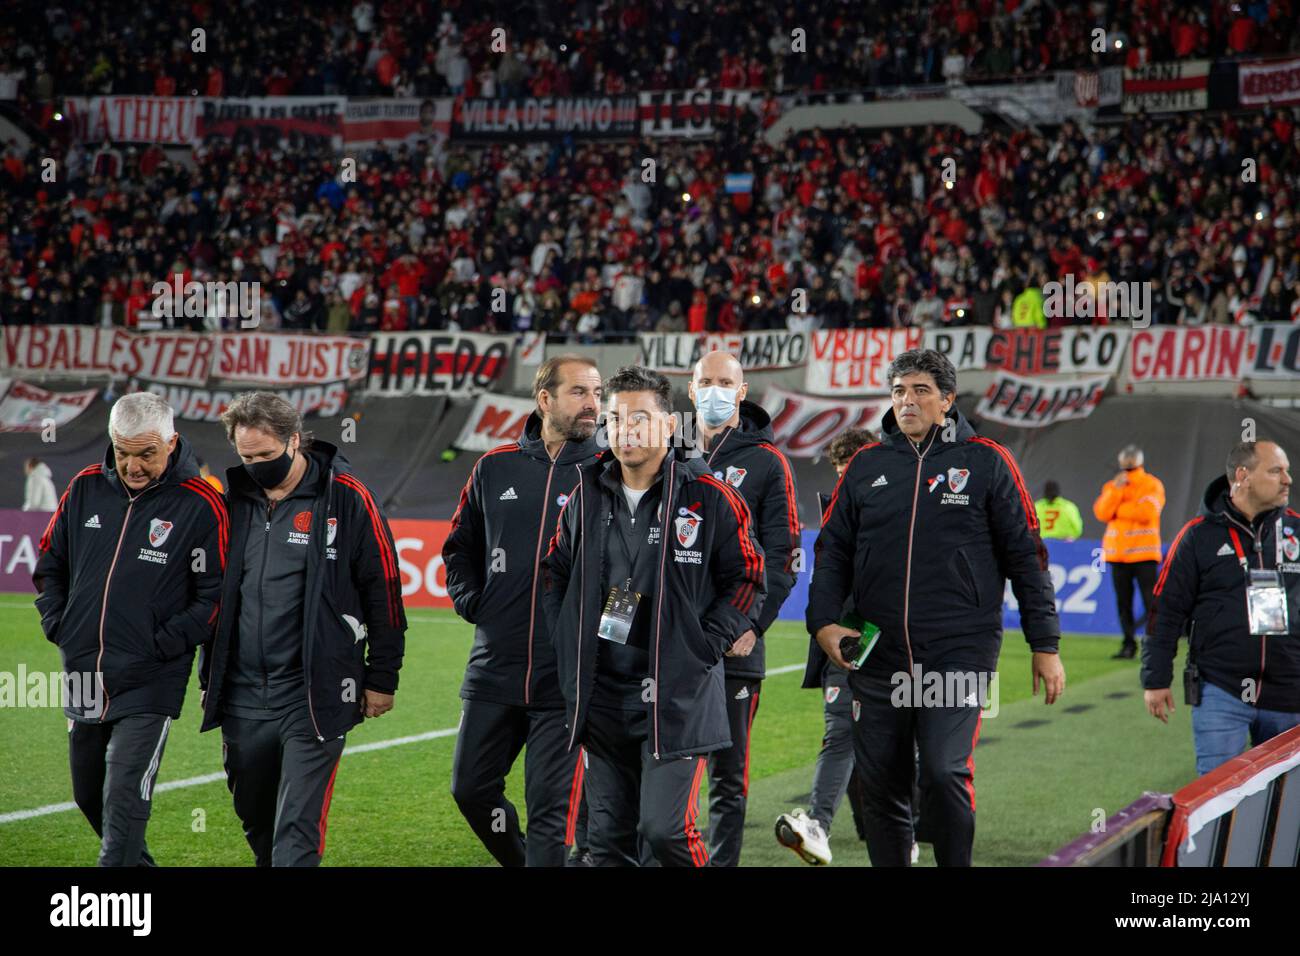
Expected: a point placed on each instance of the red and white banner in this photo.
(1180, 354)
(689, 114)
(1262, 84)
(1274, 351)
(1082, 348)
(1167, 87)
(79, 351)
(532, 348)
(207, 404)
(26, 408)
(494, 420)
(855, 361)
(802, 425)
(436, 363)
(166, 120)
(266, 120)
(1038, 402)
(263, 358)
(419, 561)
(675, 353)
(368, 123)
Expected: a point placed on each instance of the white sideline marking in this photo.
(16, 815)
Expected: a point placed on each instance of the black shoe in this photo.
(1125, 653)
(581, 856)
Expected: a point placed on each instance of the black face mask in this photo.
(270, 473)
(1132, 467)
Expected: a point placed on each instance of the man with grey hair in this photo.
(311, 632)
(1130, 505)
(128, 578)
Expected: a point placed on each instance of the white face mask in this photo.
(715, 404)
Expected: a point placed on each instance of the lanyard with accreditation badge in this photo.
(621, 603)
(1265, 595)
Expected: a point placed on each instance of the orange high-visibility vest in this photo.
(1132, 516)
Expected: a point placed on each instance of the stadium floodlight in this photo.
(686, 197)
(756, 298)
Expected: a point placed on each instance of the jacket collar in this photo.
(571, 452)
(893, 435)
(755, 427)
(181, 465)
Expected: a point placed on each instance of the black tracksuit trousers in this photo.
(729, 774)
(490, 738)
(630, 793)
(1127, 574)
(281, 778)
(114, 768)
(886, 741)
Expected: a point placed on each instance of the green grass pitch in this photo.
(1041, 773)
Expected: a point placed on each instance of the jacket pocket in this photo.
(862, 576)
(967, 575)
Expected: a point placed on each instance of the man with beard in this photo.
(507, 513)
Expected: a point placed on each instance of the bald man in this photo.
(735, 436)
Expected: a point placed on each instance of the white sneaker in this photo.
(916, 853)
(805, 836)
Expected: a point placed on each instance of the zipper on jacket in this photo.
(103, 607)
(537, 561)
(306, 650)
(1263, 639)
(582, 597)
(911, 529)
(659, 598)
(261, 603)
(717, 448)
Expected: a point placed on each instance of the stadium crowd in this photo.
(840, 229)
(563, 47)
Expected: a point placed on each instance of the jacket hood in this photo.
(43, 470)
(571, 452)
(688, 467)
(894, 435)
(755, 428)
(326, 455)
(182, 464)
(1217, 501)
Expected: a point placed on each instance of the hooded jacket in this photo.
(746, 458)
(353, 624)
(129, 584)
(710, 590)
(922, 540)
(39, 493)
(496, 546)
(1201, 592)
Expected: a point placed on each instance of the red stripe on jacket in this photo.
(1031, 514)
(63, 500)
(1169, 558)
(218, 506)
(386, 556)
(464, 492)
(744, 598)
(835, 495)
(792, 505)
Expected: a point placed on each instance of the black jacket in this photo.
(497, 542)
(351, 573)
(746, 459)
(710, 590)
(128, 585)
(1201, 591)
(922, 539)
